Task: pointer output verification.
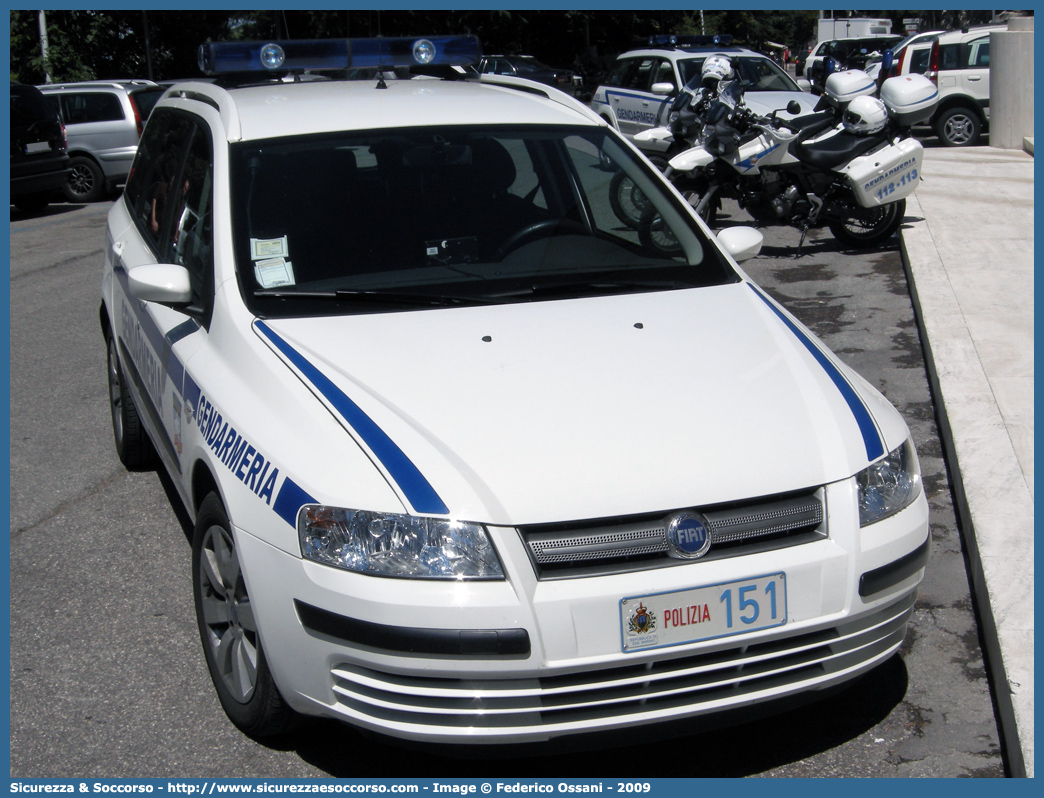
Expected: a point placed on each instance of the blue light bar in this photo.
(690, 40)
(295, 55)
(406, 52)
(220, 58)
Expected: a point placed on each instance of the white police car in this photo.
(637, 93)
(467, 462)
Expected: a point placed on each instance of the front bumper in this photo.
(524, 660)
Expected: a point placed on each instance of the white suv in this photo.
(958, 62)
(467, 461)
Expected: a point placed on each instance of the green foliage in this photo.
(85, 45)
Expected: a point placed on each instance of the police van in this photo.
(467, 461)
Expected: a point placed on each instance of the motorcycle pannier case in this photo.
(843, 87)
(886, 175)
(910, 99)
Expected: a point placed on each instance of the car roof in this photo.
(99, 84)
(289, 109)
(970, 33)
(689, 51)
(924, 37)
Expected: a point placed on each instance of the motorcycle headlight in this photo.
(389, 544)
(889, 485)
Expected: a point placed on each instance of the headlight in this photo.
(389, 544)
(889, 485)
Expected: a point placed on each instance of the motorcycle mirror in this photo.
(793, 107)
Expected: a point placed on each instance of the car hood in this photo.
(596, 407)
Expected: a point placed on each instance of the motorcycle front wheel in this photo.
(654, 235)
(626, 199)
(871, 227)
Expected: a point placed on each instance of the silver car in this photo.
(103, 120)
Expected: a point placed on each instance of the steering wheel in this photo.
(534, 230)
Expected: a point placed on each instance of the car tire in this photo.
(228, 629)
(133, 445)
(32, 203)
(86, 182)
(958, 127)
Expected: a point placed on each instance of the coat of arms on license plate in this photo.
(641, 621)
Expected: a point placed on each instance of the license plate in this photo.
(37, 146)
(703, 613)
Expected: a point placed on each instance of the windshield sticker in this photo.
(261, 248)
(274, 272)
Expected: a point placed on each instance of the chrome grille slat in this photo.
(734, 531)
(628, 690)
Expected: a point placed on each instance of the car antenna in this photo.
(380, 54)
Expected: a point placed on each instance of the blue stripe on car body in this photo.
(407, 476)
(867, 427)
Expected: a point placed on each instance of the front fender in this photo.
(654, 140)
(694, 158)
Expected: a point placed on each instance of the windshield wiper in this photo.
(597, 287)
(376, 297)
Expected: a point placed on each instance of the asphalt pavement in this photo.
(967, 243)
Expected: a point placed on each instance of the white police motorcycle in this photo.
(853, 177)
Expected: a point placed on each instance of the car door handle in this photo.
(974, 77)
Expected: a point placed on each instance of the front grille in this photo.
(649, 691)
(569, 551)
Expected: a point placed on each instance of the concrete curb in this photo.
(984, 467)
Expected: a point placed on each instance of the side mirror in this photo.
(886, 60)
(804, 84)
(165, 283)
(664, 88)
(742, 243)
(793, 108)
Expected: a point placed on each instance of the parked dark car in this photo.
(39, 160)
(526, 66)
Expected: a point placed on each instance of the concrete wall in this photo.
(1011, 84)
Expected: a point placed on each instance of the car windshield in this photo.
(385, 220)
(755, 73)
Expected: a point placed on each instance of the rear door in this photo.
(975, 71)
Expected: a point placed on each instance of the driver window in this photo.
(193, 231)
(663, 73)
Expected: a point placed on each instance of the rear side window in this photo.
(91, 107)
(948, 56)
(919, 60)
(145, 100)
(631, 73)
